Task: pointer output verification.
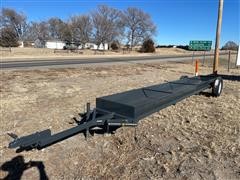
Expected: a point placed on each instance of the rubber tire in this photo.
(217, 87)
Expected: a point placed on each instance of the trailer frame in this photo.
(123, 109)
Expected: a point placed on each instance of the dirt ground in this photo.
(198, 138)
(31, 53)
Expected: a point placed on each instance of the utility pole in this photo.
(218, 31)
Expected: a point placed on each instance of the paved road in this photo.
(73, 62)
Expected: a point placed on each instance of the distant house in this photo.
(21, 44)
(95, 47)
(55, 44)
(103, 46)
(90, 46)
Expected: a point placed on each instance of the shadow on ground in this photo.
(16, 166)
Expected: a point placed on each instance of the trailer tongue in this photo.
(124, 109)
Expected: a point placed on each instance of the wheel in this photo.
(217, 87)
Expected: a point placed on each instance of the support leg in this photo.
(106, 133)
(87, 134)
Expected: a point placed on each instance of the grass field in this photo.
(49, 53)
(198, 138)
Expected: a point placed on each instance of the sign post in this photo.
(229, 60)
(218, 31)
(238, 57)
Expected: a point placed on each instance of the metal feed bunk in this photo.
(124, 109)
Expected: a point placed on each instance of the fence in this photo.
(227, 60)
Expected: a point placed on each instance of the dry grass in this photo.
(198, 138)
(49, 53)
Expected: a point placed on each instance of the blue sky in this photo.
(178, 21)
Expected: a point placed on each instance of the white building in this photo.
(95, 47)
(21, 44)
(90, 46)
(103, 46)
(55, 44)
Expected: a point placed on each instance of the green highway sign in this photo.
(200, 45)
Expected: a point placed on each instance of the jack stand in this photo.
(106, 133)
(87, 134)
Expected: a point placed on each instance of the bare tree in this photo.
(139, 25)
(107, 24)
(81, 27)
(66, 33)
(38, 31)
(230, 45)
(15, 21)
(55, 26)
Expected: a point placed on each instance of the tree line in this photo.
(103, 25)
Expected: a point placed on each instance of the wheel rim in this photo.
(216, 82)
(219, 88)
